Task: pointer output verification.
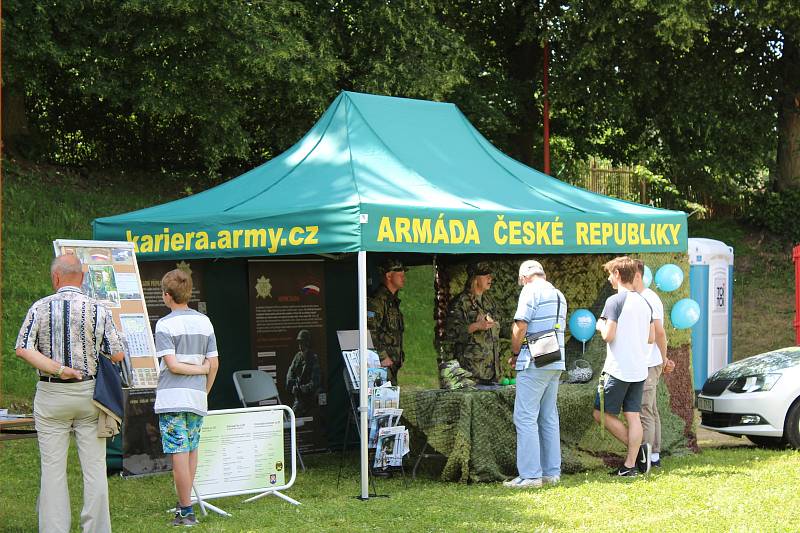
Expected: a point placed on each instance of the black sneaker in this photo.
(656, 464)
(624, 471)
(643, 458)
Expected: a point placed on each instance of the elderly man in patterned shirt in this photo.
(62, 337)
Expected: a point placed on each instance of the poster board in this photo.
(288, 339)
(111, 276)
(242, 452)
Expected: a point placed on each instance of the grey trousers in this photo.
(651, 420)
(58, 409)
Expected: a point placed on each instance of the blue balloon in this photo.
(685, 313)
(669, 277)
(581, 324)
(647, 277)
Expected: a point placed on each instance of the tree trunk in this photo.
(788, 157)
(527, 69)
(15, 120)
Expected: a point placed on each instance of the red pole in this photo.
(796, 259)
(546, 111)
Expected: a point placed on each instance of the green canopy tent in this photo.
(384, 174)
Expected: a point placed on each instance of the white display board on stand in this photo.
(241, 452)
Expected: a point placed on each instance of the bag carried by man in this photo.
(543, 345)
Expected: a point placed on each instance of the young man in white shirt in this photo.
(657, 361)
(626, 325)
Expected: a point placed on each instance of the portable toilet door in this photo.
(711, 286)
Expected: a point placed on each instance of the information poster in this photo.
(142, 452)
(111, 276)
(287, 310)
(151, 273)
(241, 452)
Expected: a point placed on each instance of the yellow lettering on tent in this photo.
(311, 238)
(223, 239)
(147, 244)
(472, 237)
(674, 228)
(202, 240)
(440, 231)
(255, 238)
(402, 229)
(274, 239)
(457, 232)
(385, 230)
(421, 230)
(176, 241)
(294, 240)
(582, 233)
(558, 233)
(130, 237)
(236, 234)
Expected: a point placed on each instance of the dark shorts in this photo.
(620, 394)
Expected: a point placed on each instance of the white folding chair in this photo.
(255, 386)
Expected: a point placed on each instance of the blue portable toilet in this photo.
(711, 286)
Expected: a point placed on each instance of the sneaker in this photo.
(551, 480)
(512, 482)
(188, 520)
(529, 484)
(624, 471)
(655, 464)
(643, 459)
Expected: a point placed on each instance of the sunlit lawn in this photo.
(733, 489)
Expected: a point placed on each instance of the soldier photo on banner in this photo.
(303, 380)
(472, 330)
(287, 325)
(384, 318)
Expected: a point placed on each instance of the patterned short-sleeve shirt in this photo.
(71, 329)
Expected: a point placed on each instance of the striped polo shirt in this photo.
(188, 335)
(539, 301)
(71, 329)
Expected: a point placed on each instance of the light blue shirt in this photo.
(538, 303)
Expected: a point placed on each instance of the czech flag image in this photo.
(310, 290)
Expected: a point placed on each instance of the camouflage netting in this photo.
(475, 430)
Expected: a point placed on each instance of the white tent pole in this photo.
(362, 352)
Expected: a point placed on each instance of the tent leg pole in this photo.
(362, 351)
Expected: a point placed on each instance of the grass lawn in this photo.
(721, 489)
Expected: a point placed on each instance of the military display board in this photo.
(111, 275)
(151, 274)
(241, 452)
(287, 325)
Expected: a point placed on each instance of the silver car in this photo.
(758, 397)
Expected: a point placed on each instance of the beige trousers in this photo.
(651, 420)
(58, 409)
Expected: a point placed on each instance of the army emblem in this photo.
(273, 478)
(263, 288)
(279, 466)
(183, 265)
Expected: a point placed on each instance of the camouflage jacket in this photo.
(304, 373)
(478, 352)
(385, 321)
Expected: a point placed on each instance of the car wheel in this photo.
(775, 443)
(791, 430)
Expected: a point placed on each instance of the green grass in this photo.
(41, 204)
(737, 489)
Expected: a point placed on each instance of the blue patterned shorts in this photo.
(180, 432)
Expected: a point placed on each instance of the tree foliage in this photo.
(706, 94)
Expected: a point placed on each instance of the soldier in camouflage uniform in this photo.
(304, 378)
(472, 326)
(384, 319)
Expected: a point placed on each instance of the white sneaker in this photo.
(512, 482)
(551, 480)
(529, 484)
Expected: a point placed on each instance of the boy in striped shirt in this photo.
(186, 345)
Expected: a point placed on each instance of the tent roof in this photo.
(380, 173)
